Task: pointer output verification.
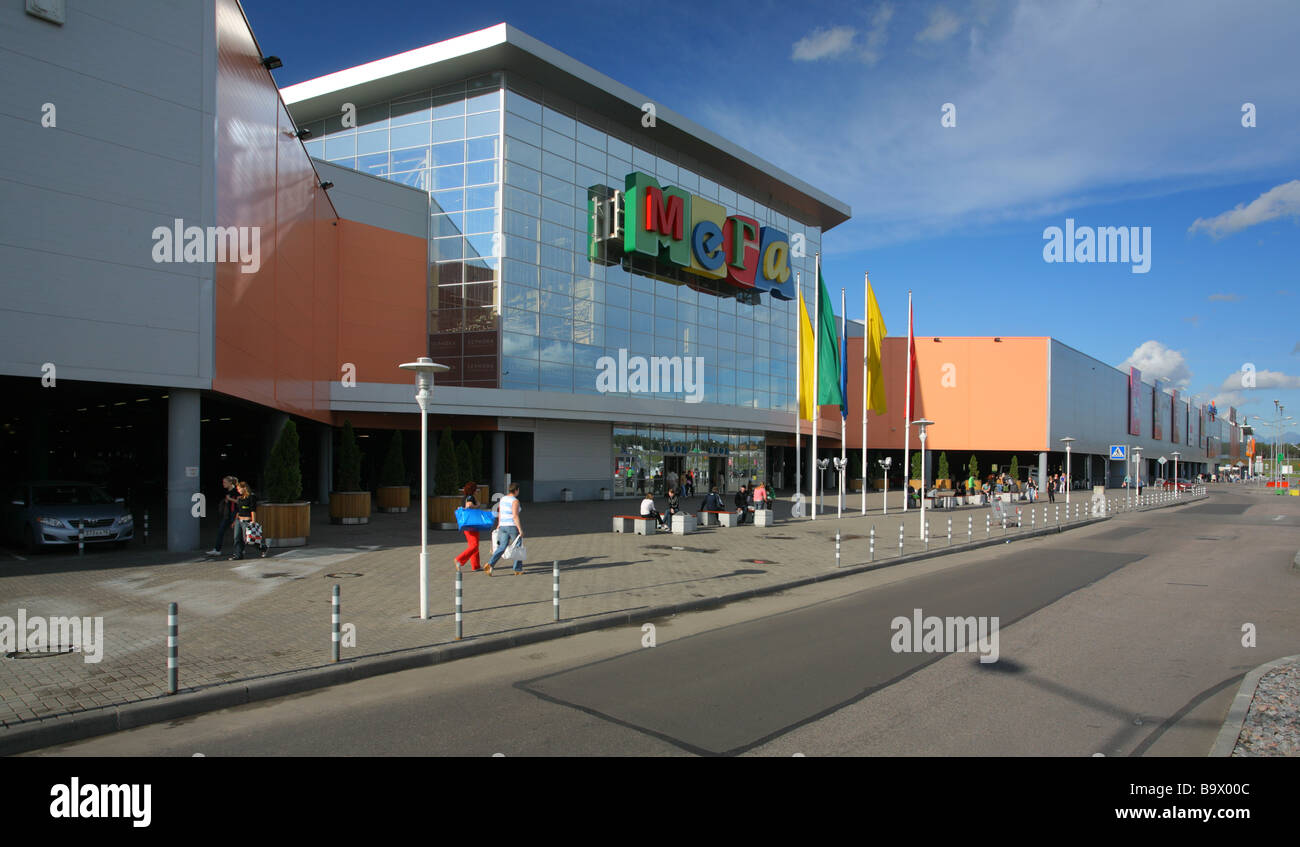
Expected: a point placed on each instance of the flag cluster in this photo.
(832, 362)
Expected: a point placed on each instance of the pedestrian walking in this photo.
(225, 512)
(1051, 489)
(245, 514)
(760, 496)
(509, 528)
(470, 553)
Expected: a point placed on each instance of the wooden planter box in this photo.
(285, 524)
(349, 507)
(393, 498)
(442, 511)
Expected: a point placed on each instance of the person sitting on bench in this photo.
(742, 504)
(648, 511)
(712, 502)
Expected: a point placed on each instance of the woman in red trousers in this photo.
(470, 553)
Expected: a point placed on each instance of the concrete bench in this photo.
(684, 523)
(727, 518)
(641, 525)
(710, 518)
(764, 517)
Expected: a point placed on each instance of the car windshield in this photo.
(69, 495)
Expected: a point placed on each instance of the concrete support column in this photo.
(1042, 471)
(499, 462)
(325, 464)
(182, 469)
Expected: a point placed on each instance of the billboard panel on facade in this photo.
(1134, 401)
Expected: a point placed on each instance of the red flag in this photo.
(911, 356)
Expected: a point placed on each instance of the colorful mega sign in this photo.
(674, 235)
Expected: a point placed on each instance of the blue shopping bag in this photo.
(474, 519)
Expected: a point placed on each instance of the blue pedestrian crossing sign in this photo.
(1118, 451)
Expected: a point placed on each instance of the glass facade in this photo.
(652, 458)
(446, 141)
(507, 168)
(562, 313)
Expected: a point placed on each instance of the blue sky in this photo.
(1109, 113)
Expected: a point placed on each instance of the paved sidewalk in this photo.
(257, 617)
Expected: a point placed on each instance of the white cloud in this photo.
(1280, 201)
(1263, 379)
(942, 25)
(1225, 298)
(824, 43)
(1155, 360)
(874, 51)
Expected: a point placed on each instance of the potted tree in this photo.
(942, 479)
(393, 494)
(349, 504)
(446, 485)
(285, 517)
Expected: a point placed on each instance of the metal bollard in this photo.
(873, 544)
(555, 588)
(986, 526)
(968, 529)
(459, 595)
(927, 534)
(900, 539)
(173, 648)
(837, 548)
(1004, 524)
(334, 629)
(81, 538)
(146, 527)
(949, 532)
(1033, 513)
(1018, 521)
(1058, 514)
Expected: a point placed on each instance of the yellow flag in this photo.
(875, 342)
(805, 362)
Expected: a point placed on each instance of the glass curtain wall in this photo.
(653, 458)
(561, 313)
(446, 141)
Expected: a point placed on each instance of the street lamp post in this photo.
(1069, 480)
(424, 368)
(1137, 473)
(840, 465)
(1176, 455)
(923, 423)
(885, 464)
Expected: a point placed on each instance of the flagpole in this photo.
(844, 469)
(907, 412)
(817, 343)
(866, 352)
(798, 381)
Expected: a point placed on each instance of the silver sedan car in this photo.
(42, 515)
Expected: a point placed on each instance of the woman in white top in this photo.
(648, 510)
(508, 528)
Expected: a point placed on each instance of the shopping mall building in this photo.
(611, 286)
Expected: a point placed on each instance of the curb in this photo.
(77, 726)
(1227, 740)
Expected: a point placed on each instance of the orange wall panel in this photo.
(982, 394)
(383, 303)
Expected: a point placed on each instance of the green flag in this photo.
(828, 361)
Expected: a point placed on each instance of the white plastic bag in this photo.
(516, 551)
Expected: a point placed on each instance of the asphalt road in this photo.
(1125, 638)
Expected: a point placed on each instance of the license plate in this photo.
(99, 533)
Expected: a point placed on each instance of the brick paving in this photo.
(241, 620)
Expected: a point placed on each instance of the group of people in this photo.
(746, 501)
(1000, 483)
(237, 507)
(509, 529)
